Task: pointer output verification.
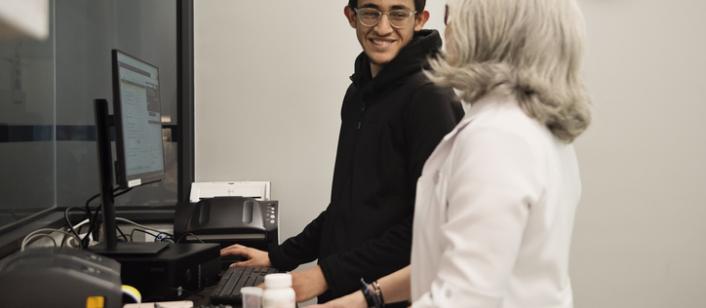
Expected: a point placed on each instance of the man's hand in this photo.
(308, 283)
(353, 300)
(254, 257)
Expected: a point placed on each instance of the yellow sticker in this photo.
(95, 302)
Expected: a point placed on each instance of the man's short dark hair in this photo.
(418, 4)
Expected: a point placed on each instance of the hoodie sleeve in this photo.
(299, 249)
(431, 114)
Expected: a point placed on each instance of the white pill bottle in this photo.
(278, 292)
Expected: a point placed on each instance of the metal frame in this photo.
(185, 102)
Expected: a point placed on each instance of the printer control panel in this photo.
(269, 213)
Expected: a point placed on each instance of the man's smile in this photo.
(381, 43)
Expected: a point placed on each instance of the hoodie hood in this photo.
(411, 59)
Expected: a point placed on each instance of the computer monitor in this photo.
(138, 138)
(138, 127)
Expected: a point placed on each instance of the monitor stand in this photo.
(109, 245)
(131, 248)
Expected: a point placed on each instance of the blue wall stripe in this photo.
(37, 133)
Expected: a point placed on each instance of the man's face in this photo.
(383, 41)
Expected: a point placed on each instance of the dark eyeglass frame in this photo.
(410, 13)
(446, 15)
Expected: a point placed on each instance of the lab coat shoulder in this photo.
(500, 147)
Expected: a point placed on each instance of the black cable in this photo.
(93, 220)
(92, 225)
(88, 203)
(121, 233)
(122, 193)
(89, 213)
(91, 217)
(167, 237)
(68, 223)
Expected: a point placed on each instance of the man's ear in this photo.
(350, 16)
(421, 20)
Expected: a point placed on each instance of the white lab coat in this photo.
(494, 214)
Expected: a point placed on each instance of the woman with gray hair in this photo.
(496, 200)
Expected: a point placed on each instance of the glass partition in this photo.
(47, 87)
(86, 32)
(27, 121)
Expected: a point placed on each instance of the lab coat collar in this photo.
(489, 101)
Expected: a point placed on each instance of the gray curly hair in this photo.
(531, 49)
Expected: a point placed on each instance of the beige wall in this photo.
(270, 78)
(640, 238)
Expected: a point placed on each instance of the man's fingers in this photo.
(252, 256)
(231, 248)
(245, 263)
(235, 250)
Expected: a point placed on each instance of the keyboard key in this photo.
(228, 289)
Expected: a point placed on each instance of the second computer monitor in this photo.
(137, 109)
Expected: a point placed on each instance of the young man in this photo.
(392, 119)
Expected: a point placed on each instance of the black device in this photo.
(229, 220)
(178, 271)
(59, 277)
(138, 138)
(228, 289)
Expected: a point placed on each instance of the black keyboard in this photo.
(228, 289)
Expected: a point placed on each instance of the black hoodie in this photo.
(390, 125)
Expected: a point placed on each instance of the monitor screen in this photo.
(137, 120)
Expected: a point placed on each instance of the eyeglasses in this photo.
(370, 17)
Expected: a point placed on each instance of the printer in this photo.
(229, 213)
(59, 277)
